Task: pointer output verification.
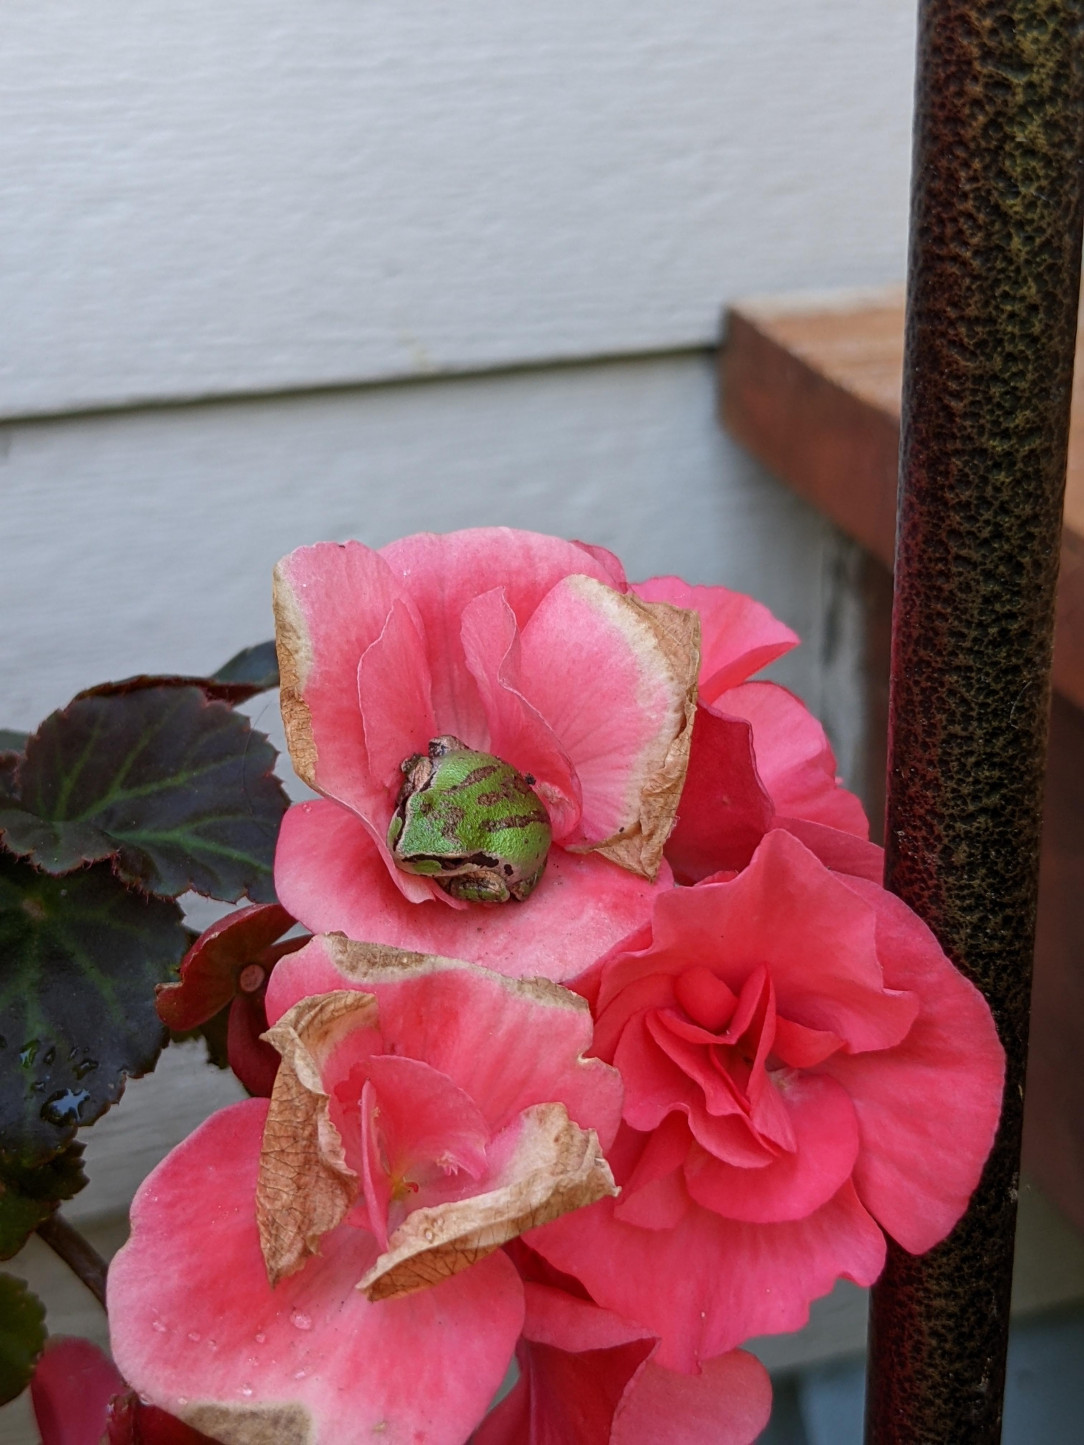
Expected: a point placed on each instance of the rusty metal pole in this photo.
(991, 326)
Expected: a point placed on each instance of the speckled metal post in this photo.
(991, 324)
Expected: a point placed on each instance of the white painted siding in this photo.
(198, 198)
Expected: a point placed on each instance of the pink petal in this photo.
(443, 572)
(70, 1391)
(927, 1109)
(197, 1329)
(795, 1182)
(331, 603)
(785, 910)
(610, 564)
(396, 706)
(728, 1403)
(507, 1043)
(724, 810)
(842, 852)
(594, 669)
(330, 874)
(794, 759)
(738, 635)
(712, 1282)
(516, 732)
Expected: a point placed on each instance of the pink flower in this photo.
(538, 651)
(525, 647)
(803, 1068)
(588, 1377)
(759, 758)
(326, 1264)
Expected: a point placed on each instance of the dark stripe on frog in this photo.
(476, 776)
(477, 860)
(512, 788)
(519, 820)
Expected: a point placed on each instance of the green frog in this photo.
(471, 822)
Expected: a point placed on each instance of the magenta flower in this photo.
(325, 1265)
(803, 1069)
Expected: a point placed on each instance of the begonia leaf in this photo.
(255, 667)
(177, 790)
(22, 1336)
(29, 1195)
(79, 959)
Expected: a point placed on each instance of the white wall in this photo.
(198, 197)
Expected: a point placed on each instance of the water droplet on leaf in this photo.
(65, 1107)
(28, 1053)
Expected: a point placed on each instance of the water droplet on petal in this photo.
(194, 1336)
(246, 1390)
(429, 1236)
(260, 1339)
(300, 1374)
(300, 1321)
(159, 1326)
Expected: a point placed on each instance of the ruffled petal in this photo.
(710, 1283)
(738, 635)
(196, 1328)
(330, 875)
(927, 1109)
(509, 1043)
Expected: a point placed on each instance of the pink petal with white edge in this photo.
(711, 1283)
(508, 1043)
(794, 758)
(617, 685)
(928, 1109)
(738, 635)
(330, 875)
(196, 1328)
(331, 602)
(516, 732)
(443, 572)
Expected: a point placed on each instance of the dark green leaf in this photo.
(255, 667)
(79, 960)
(22, 1336)
(180, 786)
(29, 1195)
(56, 847)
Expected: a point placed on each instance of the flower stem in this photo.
(77, 1253)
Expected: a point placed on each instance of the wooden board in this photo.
(812, 387)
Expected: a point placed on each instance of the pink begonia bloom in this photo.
(537, 650)
(425, 1112)
(756, 749)
(803, 1069)
(588, 1377)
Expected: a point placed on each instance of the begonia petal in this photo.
(738, 635)
(394, 697)
(331, 602)
(516, 731)
(615, 678)
(795, 761)
(927, 1109)
(509, 1043)
(729, 1403)
(711, 1283)
(70, 1391)
(197, 1329)
(724, 810)
(443, 573)
(795, 1182)
(330, 875)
